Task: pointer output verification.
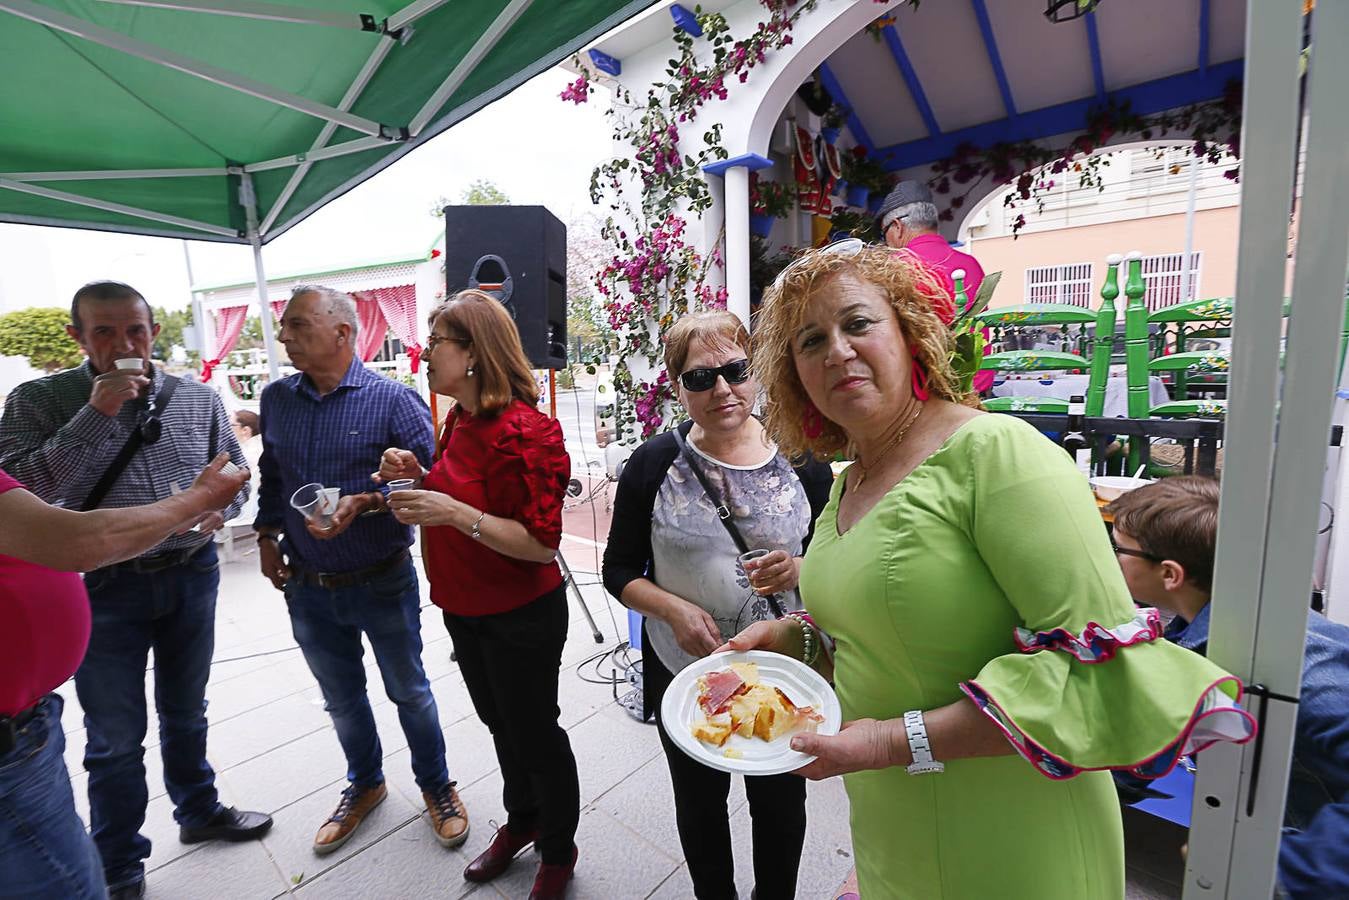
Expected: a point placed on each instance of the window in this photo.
(1160, 171)
(1069, 283)
(1165, 279)
(389, 350)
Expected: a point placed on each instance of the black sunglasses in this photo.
(697, 380)
(1139, 553)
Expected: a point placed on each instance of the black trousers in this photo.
(510, 663)
(777, 809)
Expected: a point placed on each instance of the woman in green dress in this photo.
(980, 619)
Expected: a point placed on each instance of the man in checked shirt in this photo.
(330, 424)
(59, 435)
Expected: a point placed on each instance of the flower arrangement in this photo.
(772, 198)
(1036, 169)
(653, 275)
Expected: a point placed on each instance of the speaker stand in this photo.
(580, 601)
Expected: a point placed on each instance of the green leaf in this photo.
(982, 298)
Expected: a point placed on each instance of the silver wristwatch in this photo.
(921, 750)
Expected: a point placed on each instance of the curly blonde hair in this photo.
(907, 284)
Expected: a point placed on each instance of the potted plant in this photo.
(865, 177)
(831, 123)
(855, 224)
(769, 200)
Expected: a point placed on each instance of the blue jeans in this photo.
(44, 850)
(173, 613)
(327, 624)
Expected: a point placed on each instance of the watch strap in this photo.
(919, 747)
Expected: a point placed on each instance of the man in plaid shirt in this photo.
(59, 435)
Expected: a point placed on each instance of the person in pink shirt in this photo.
(908, 221)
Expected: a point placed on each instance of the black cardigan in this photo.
(628, 553)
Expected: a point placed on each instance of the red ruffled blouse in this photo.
(515, 466)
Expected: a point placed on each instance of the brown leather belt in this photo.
(335, 580)
(145, 565)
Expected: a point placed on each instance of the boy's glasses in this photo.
(697, 380)
(1125, 551)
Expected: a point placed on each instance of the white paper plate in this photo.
(750, 756)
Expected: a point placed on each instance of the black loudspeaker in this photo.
(518, 254)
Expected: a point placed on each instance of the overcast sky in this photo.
(535, 147)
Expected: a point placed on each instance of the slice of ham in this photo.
(722, 685)
(805, 713)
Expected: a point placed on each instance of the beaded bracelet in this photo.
(810, 637)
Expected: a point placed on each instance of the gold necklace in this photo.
(863, 468)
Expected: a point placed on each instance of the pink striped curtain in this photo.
(229, 324)
(399, 308)
(373, 327)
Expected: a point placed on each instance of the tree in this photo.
(484, 193)
(171, 325)
(480, 193)
(39, 333)
(586, 255)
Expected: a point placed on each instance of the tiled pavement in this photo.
(273, 750)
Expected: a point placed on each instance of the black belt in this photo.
(10, 726)
(144, 565)
(334, 580)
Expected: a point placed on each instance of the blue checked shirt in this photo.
(58, 446)
(337, 440)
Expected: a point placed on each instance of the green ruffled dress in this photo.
(987, 573)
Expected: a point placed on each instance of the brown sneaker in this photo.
(449, 819)
(355, 805)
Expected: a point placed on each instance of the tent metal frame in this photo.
(272, 12)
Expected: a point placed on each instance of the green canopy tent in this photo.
(233, 120)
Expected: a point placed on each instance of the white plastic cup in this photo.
(134, 364)
(316, 503)
(750, 556)
(403, 484)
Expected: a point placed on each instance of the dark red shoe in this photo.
(499, 854)
(551, 882)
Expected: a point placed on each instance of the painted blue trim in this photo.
(1094, 44)
(606, 63)
(911, 79)
(750, 161)
(835, 89)
(1145, 99)
(994, 57)
(1205, 26)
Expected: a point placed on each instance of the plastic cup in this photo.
(133, 364)
(750, 556)
(402, 484)
(316, 503)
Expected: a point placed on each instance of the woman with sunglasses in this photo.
(492, 510)
(962, 567)
(670, 558)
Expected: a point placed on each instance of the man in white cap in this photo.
(908, 221)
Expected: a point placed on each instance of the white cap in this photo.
(958, 273)
(1114, 259)
(1135, 254)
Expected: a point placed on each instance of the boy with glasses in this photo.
(1164, 536)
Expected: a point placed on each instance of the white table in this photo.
(1066, 386)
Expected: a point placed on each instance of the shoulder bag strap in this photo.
(133, 443)
(723, 511)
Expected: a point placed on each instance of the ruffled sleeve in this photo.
(529, 472)
(1091, 683)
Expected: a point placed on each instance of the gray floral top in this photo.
(694, 556)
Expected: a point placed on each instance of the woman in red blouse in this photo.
(492, 507)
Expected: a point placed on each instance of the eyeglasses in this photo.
(1125, 551)
(847, 247)
(698, 380)
(433, 339)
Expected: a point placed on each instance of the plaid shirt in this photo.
(337, 440)
(59, 446)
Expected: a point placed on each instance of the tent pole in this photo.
(249, 199)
